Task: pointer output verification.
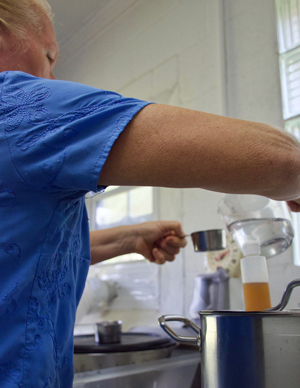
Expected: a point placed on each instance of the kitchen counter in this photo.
(181, 369)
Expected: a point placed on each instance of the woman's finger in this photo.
(162, 256)
(174, 241)
(294, 206)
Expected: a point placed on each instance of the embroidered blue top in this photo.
(55, 137)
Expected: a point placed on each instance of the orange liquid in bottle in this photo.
(257, 296)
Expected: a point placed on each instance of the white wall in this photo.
(253, 93)
(211, 55)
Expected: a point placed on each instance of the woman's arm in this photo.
(158, 241)
(175, 147)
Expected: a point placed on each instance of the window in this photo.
(288, 24)
(290, 83)
(288, 27)
(121, 206)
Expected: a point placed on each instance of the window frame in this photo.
(284, 52)
(91, 204)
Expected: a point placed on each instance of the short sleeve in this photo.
(60, 133)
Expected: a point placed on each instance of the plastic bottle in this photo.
(255, 278)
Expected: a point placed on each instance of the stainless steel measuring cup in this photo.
(208, 240)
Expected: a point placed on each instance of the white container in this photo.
(97, 294)
(255, 278)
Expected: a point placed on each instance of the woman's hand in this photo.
(160, 241)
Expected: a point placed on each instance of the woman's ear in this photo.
(4, 44)
(1, 45)
(4, 33)
(1, 35)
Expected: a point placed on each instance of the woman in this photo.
(60, 140)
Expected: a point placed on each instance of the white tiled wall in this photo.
(211, 55)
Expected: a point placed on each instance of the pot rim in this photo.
(291, 312)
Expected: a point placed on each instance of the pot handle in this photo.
(178, 318)
(286, 296)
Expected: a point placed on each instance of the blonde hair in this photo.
(19, 15)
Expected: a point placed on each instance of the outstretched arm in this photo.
(157, 241)
(175, 147)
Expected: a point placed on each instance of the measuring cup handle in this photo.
(286, 296)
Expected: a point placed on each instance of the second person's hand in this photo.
(160, 241)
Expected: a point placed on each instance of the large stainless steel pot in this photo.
(246, 349)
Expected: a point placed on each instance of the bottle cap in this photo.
(251, 248)
(253, 266)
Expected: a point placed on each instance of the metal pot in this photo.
(246, 349)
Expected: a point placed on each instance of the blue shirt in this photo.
(55, 137)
